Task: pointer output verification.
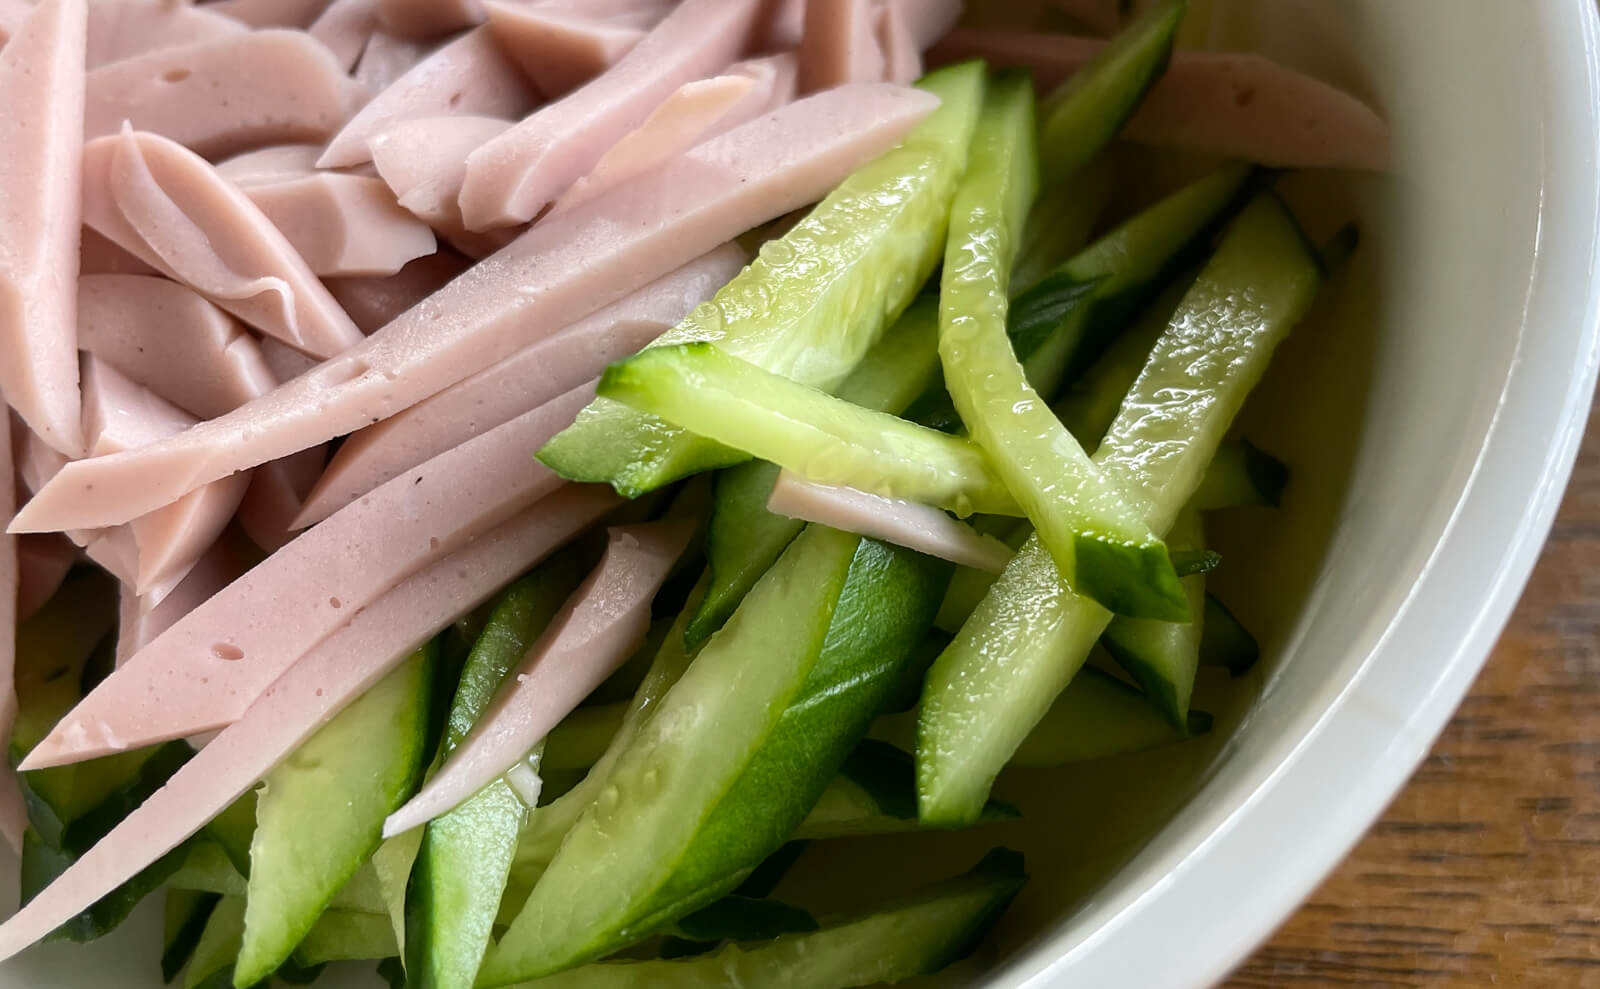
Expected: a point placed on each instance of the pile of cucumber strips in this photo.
(948, 341)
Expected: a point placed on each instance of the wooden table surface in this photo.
(1486, 869)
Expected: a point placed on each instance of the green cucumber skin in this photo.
(299, 857)
(184, 918)
(1241, 475)
(465, 857)
(1093, 535)
(876, 793)
(631, 838)
(744, 537)
(1225, 641)
(917, 935)
(884, 611)
(744, 541)
(1085, 112)
(782, 314)
(1032, 633)
(1067, 319)
(1163, 657)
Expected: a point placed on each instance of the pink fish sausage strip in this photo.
(204, 671)
(561, 48)
(525, 380)
(271, 13)
(929, 20)
(375, 302)
(1224, 103)
(12, 14)
(428, 18)
(304, 699)
(424, 161)
(99, 256)
(696, 112)
(168, 207)
(41, 140)
(43, 560)
(228, 95)
(902, 58)
(595, 631)
(893, 520)
(277, 490)
(512, 178)
(550, 277)
(343, 224)
(344, 29)
(470, 75)
(286, 362)
(120, 415)
(170, 340)
(133, 27)
(840, 45)
(784, 27)
(386, 58)
(13, 815)
(140, 620)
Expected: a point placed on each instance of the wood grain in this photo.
(1486, 869)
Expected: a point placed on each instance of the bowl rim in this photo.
(1216, 904)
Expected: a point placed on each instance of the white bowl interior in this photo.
(1428, 412)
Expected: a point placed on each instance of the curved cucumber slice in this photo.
(632, 839)
(461, 868)
(342, 936)
(1085, 112)
(876, 793)
(1096, 717)
(367, 761)
(1096, 538)
(812, 433)
(1241, 474)
(743, 542)
(916, 936)
(812, 302)
(1163, 656)
(1225, 641)
(1032, 633)
(218, 947)
(582, 738)
(745, 539)
(184, 917)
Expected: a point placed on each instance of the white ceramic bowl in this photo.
(1431, 413)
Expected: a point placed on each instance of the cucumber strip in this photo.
(1066, 320)
(1096, 717)
(234, 829)
(392, 865)
(206, 868)
(579, 741)
(812, 302)
(876, 793)
(341, 936)
(214, 955)
(461, 868)
(1032, 633)
(367, 761)
(184, 917)
(917, 935)
(1084, 113)
(1097, 539)
(630, 841)
(43, 861)
(745, 918)
(903, 364)
(1241, 474)
(1162, 657)
(1225, 641)
(744, 538)
(1059, 223)
(548, 825)
(808, 431)
(743, 542)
